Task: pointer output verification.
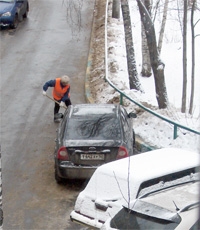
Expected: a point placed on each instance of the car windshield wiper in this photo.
(189, 206)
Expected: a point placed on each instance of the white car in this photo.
(122, 181)
(176, 207)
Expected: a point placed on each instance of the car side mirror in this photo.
(132, 115)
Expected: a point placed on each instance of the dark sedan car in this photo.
(12, 12)
(89, 136)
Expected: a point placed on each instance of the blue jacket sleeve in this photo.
(48, 84)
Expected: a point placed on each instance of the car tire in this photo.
(133, 138)
(25, 15)
(1, 218)
(58, 179)
(15, 22)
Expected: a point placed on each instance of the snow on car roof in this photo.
(112, 178)
(156, 163)
(91, 109)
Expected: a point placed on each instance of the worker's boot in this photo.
(58, 117)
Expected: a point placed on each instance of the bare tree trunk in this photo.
(193, 57)
(184, 90)
(155, 10)
(132, 69)
(180, 20)
(156, 63)
(116, 9)
(161, 34)
(146, 63)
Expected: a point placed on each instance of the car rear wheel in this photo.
(15, 22)
(58, 179)
(133, 138)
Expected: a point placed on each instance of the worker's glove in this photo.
(62, 104)
(44, 93)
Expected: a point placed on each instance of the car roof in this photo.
(140, 168)
(93, 109)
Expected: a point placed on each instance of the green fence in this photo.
(123, 95)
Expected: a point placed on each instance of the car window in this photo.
(127, 219)
(167, 181)
(196, 226)
(125, 125)
(63, 123)
(93, 127)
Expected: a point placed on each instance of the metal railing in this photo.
(122, 95)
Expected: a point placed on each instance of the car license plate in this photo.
(92, 156)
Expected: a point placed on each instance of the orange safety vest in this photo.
(58, 91)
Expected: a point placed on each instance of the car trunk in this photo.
(92, 153)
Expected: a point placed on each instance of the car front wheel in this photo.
(15, 22)
(25, 15)
(133, 138)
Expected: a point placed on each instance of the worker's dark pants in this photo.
(57, 106)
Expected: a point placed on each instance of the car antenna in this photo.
(177, 209)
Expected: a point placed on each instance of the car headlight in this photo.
(7, 14)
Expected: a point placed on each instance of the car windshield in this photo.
(127, 219)
(93, 127)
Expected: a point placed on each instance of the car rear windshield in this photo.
(167, 181)
(93, 127)
(126, 219)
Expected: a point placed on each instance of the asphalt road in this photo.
(53, 41)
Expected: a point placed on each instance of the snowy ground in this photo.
(153, 130)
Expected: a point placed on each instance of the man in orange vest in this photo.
(61, 92)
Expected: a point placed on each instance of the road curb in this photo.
(88, 94)
(141, 146)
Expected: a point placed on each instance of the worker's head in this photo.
(65, 80)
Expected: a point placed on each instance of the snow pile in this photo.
(150, 128)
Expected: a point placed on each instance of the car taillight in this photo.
(122, 152)
(62, 154)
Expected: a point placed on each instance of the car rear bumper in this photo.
(69, 171)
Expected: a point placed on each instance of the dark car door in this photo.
(128, 130)
(61, 131)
